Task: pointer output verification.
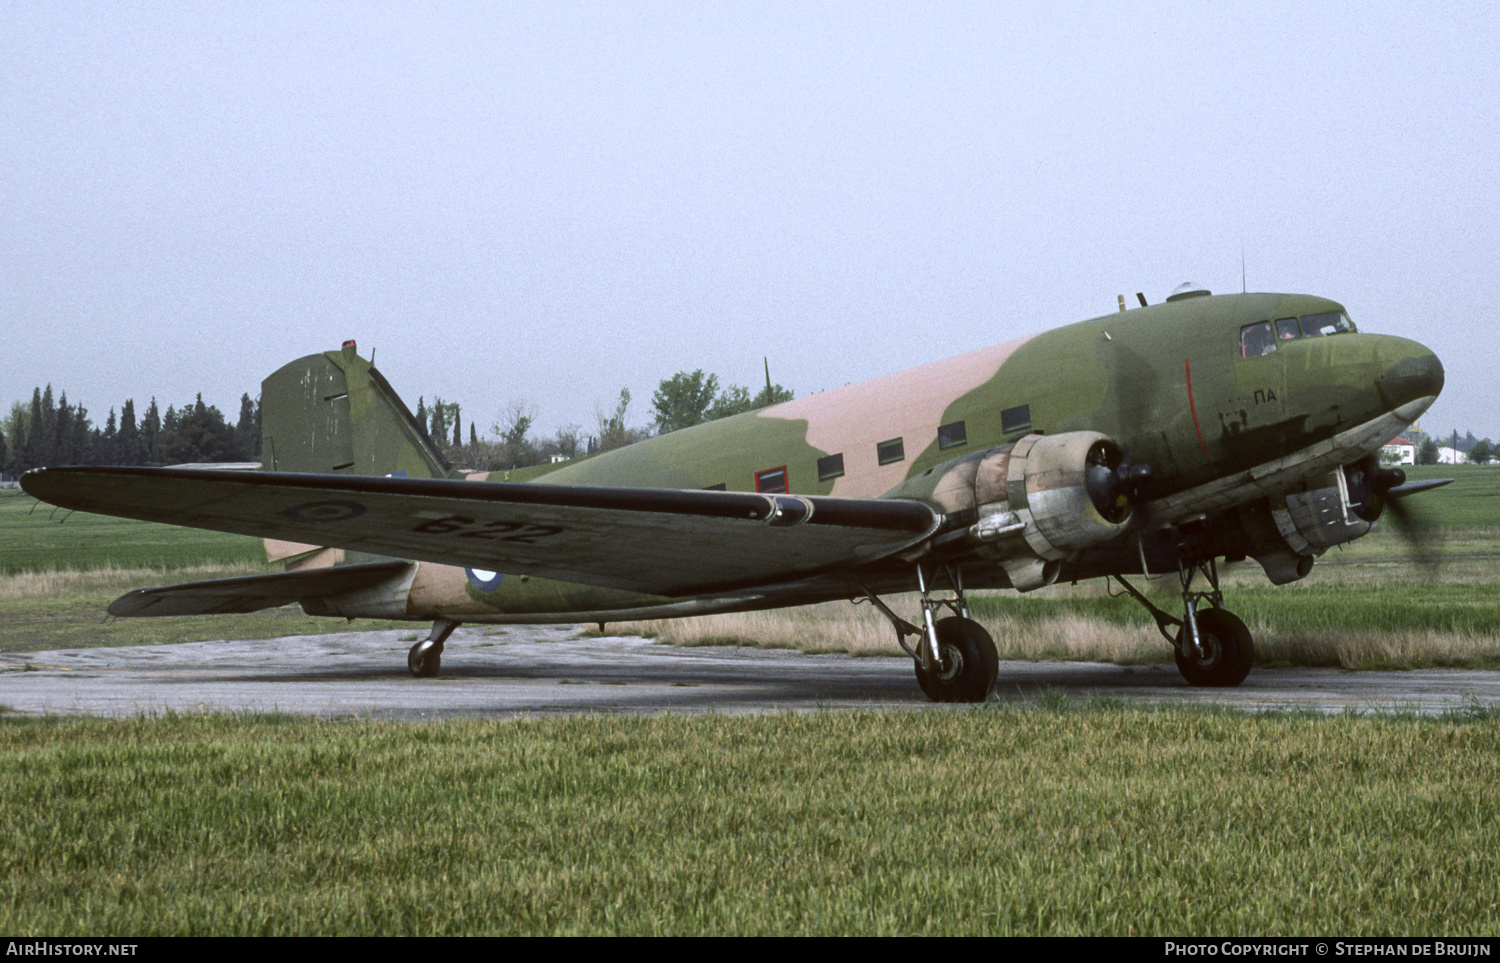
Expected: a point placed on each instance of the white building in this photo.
(1402, 451)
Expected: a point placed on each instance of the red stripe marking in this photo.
(1187, 366)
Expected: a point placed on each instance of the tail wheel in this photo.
(425, 659)
(1228, 651)
(969, 663)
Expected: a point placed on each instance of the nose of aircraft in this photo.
(1413, 375)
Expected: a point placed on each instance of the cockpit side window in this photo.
(1323, 324)
(1287, 330)
(1256, 340)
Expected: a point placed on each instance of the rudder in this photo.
(335, 413)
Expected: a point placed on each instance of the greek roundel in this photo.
(483, 580)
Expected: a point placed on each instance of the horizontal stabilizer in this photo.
(658, 541)
(251, 593)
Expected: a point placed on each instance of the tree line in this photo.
(681, 401)
(52, 431)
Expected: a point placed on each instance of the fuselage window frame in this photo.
(1015, 420)
(772, 477)
(891, 451)
(1257, 340)
(952, 435)
(831, 467)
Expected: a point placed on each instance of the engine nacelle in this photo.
(1288, 531)
(1037, 502)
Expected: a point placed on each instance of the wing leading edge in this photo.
(657, 541)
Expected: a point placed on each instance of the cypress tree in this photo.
(151, 436)
(128, 448)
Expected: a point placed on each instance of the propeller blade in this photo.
(1376, 492)
(1425, 541)
(1416, 488)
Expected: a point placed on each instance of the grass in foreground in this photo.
(993, 820)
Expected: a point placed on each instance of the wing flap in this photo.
(658, 541)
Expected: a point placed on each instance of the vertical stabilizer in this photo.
(334, 413)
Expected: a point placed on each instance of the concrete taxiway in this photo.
(534, 671)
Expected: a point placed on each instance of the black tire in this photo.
(1228, 651)
(969, 665)
(425, 659)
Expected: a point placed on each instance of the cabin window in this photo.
(1256, 340)
(1017, 419)
(717, 488)
(890, 452)
(831, 467)
(952, 435)
(772, 481)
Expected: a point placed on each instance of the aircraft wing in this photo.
(659, 541)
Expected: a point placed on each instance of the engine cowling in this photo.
(1059, 486)
(1040, 500)
(1288, 531)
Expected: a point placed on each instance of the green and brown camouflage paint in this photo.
(1168, 383)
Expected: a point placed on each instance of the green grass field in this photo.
(59, 571)
(1471, 502)
(35, 537)
(1102, 821)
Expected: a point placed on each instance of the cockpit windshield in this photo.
(1260, 338)
(1331, 323)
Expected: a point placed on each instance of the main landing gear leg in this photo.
(1212, 646)
(955, 659)
(426, 657)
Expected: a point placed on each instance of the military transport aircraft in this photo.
(1151, 441)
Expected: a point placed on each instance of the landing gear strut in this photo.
(955, 659)
(426, 657)
(1213, 648)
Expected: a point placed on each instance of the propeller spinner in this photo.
(1113, 482)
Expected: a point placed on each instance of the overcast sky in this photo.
(545, 202)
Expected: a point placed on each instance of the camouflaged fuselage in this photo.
(1171, 384)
